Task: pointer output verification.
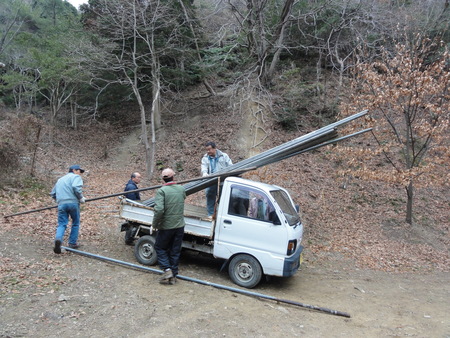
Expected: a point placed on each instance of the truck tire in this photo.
(144, 250)
(245, 270)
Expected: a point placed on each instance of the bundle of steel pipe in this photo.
(307, 142)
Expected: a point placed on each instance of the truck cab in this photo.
(257, 222)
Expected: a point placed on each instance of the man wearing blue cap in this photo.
(68, 193)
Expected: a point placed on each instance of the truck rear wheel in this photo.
(245, 270)
(144, 250)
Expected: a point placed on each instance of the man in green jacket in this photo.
(169, 220)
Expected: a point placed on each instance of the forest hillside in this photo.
(120, 86)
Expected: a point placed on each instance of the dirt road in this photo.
(48, 295)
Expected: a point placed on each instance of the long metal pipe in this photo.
(218, 286)
(300, 140)
(254, 160)
(326, 143)
(221, 175)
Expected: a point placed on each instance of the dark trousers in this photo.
(168, 248)
(211, 196)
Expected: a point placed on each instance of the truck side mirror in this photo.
(274, 218)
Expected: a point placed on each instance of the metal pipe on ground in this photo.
(218, 286)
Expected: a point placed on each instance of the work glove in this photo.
(82, 200)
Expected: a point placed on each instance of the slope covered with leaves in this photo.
(343, 217)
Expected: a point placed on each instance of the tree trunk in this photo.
(155, 118)
(156, 109)
(409, 203)
(208, 86)
(280, 40)
(73, 113)
(53, 109)
(148, 153)
(36, 146)
(155, 115)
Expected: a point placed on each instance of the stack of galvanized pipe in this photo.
(316, 139)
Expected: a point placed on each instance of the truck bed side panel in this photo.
(195, 217)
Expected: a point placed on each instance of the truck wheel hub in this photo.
(147, 250)
(245, 270)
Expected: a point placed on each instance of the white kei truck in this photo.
(257, 231)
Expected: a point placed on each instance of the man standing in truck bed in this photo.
(169, 220)
(213, 161)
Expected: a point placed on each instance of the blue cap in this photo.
(76, 167)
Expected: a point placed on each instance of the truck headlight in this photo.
(292, 245)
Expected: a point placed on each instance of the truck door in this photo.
(245, 225)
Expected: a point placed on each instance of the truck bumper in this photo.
(292, 264)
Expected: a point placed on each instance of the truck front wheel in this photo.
(245, 270)
(144, 250)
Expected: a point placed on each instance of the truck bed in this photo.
(195, 217)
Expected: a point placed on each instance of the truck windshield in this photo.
(286, 206)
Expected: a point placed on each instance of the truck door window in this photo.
(239, 201)
(286, 206)
(248, 203)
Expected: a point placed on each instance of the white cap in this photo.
(167, 173)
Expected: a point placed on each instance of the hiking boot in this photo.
(57, 247)
(74, 246)
(173, 280)
(166, 276)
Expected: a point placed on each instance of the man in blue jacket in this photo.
(68, 193)
(132, 185)
(134, 196)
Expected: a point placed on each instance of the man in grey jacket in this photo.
(213, 161)
(68, 193)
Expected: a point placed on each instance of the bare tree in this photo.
(188, 19)
(11, 24)
(138, 35)
(407, 91)
(265, 39)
